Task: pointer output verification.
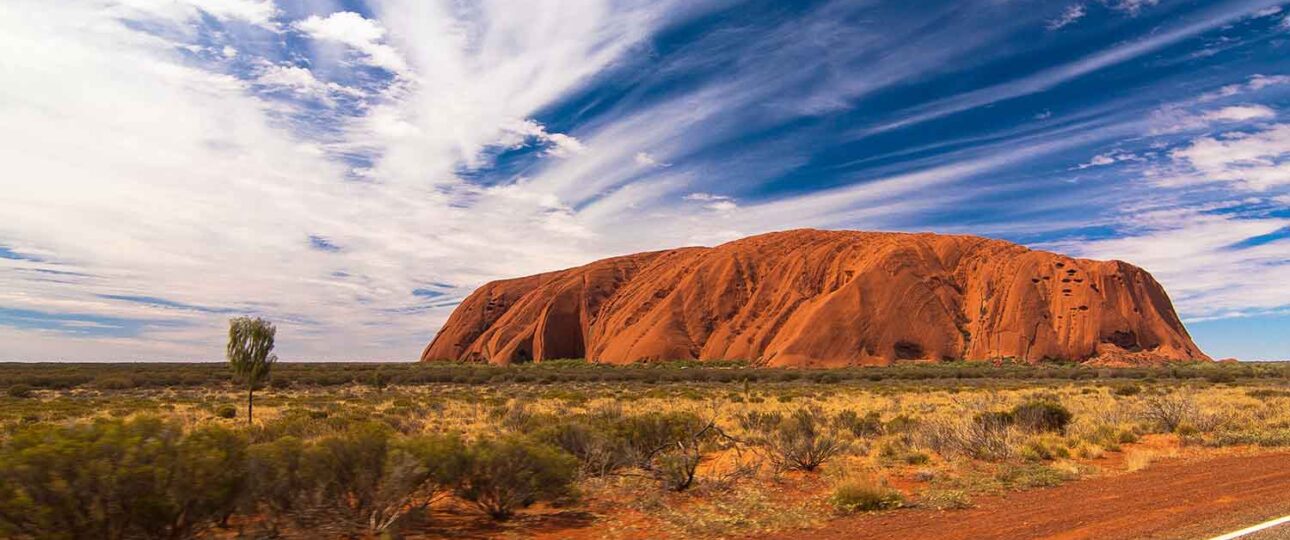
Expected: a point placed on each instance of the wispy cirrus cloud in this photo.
(1069, 16)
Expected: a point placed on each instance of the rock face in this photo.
(810, 298)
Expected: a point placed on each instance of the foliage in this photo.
(1168, 411)
(1127, 390)
(372, 479)
(945, 499)
(152, 375)
(20, 391)
(1042, 416)
(1031, 476)
(250, 354)
(506, 474)
(226, 411)
(868, 425)
(802, 441)
(334, 456)
(117, 479)
(863, 495)
(280, 485)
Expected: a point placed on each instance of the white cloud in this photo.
(1109, 158)
(212, 202)
(301, 81)
(363, 35)
(256, 12)
(721, 206)
(1181, 117)
(1070, 15)
(558, 144)
(563, 145)
(717, 203)
(700, 196)
(1255, 83)
(1239, 113)
(260, 12)
(1132, 7)
(645, 159)
(1256, 161)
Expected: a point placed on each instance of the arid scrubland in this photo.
(681, 451)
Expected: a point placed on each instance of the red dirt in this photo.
(810, 298)
(1177, 499)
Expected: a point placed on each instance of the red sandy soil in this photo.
(1186, 498)
(1197, 494)
(810, 298)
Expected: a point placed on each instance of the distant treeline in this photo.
(120, 376)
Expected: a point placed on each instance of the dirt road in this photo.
(1181, 499)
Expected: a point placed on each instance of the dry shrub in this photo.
(864, 494)
(802, 441)
(1137, 460)
(1168, 411)
(980, 437)
(945, 499)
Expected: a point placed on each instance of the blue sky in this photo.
(353, 169)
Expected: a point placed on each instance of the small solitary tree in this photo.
(250, 354)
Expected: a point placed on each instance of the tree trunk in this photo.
(250, 403)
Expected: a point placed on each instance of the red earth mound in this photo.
(811, 298)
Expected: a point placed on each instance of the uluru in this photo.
(816, 298)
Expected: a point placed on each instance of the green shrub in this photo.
(1031, 476)
(1042, 416)
(863, 495)
(226, 411)
(279, 484)
(755, 421)
(20, 391)
(869, 425)
(1221, 377)
(1044, 448)
(597, 451)
(900, 424)
(114, 479)
(645, 435)
(1127, 390)
(1268, 437)
(114, 382)
(370, 479)
(501, 476)
(945, 499)
(995, 420)
(802, 441)
(605, 442)
(1267, 393)
(675, 469)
